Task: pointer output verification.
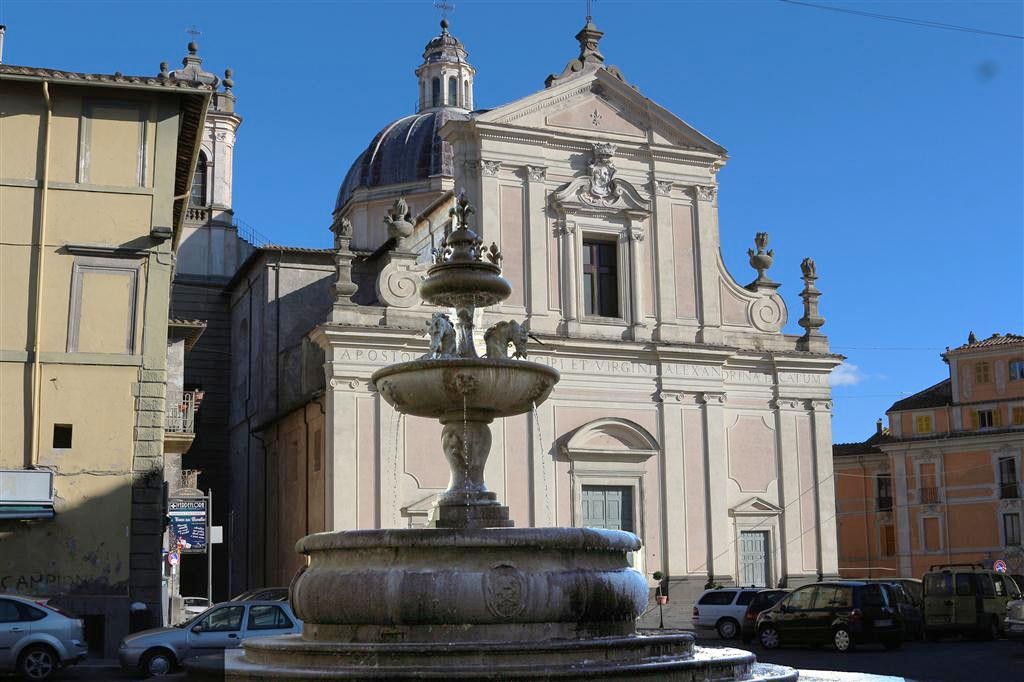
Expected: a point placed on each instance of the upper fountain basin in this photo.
(485, 388)
(465, 284)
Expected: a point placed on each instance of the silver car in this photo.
(160, 650)
(37, 639)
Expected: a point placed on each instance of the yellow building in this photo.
(95, 173)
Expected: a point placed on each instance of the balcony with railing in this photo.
(884, 503)
(180, 421)
(929, 495)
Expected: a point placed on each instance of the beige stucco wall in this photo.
(102, 308)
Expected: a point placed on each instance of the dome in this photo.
(407, 150)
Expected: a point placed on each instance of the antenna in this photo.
(445, 8)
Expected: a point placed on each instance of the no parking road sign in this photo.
(999, 566)
(173, 558)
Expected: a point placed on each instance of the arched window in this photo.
(453, 91)
(198, 196)
(435, 92)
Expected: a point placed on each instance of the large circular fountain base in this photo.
(667, 655)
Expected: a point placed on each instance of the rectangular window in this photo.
(932, 538)
(888, 541)
(62, 436)
(984, 419)
(1011, 529)
(1016, 370)
(964, 584)
(1018, 416)
(600, 279)
(1008, 488)
(923, 424)
(883, 485)
(982, 372)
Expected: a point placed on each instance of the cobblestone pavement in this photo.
(952, 660)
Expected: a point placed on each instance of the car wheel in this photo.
(727, 628)
(769, 637)
(157, 663)
(842, 640)
(37, 663)
(891, 644)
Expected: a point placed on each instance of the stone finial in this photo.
(761, 260)
(590, 58)
(399, 220)
(811, 321)
(229, 81)
(164, 73)
(971, 338)
(344, 287)
(193, 47)
(808, 269)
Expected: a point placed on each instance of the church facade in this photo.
(684, 413)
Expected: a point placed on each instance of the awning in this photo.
(26, 511)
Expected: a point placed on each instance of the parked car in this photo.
(765, 599)
(224, 626)
(1014, 621)
(193, 606)
(722, 609)
(966, 599)
(264, 594)
(911, 607)
(37, 639)
(844, 613)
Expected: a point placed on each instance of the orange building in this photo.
(943, 483)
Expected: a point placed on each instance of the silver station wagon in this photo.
(224, 626)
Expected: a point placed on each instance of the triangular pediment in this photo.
(755, 506)
(599, 105)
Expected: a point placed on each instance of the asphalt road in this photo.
(950, 660)
(946, 661)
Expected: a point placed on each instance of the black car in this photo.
(765, 599)
(910, 607)
(844, 613)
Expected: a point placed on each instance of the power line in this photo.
(904, 20)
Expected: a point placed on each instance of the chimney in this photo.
(878, 427)
(3, 29)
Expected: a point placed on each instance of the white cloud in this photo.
(846, 374)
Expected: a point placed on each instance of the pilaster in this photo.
(570, 275)
(785, 410)
(538, 243)
(341, 455)
(663, 243)
(674, 489)
(709, 304)
(722, 554)
(635, 235)
(828, 551)
(901, 517)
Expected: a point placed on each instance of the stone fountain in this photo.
(474, 598)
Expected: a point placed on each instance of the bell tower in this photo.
(446, 77)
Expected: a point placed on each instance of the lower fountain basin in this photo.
(445, 585)
(487, 388)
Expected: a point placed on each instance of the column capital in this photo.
(820, 405)
(787, 404)
(536, 173)
(490, 167)
(705, 192)
(661, 187)
(712, 398)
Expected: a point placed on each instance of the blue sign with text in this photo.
(188, 524)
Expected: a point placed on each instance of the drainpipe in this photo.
(38, 312)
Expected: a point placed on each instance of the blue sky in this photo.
(890, 153)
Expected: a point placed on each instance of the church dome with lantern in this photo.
(410, 149)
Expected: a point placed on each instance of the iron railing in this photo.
(1008, 490)
(181, 418)
(929, 495)
(884, 504)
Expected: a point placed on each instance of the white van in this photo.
(723, 609)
